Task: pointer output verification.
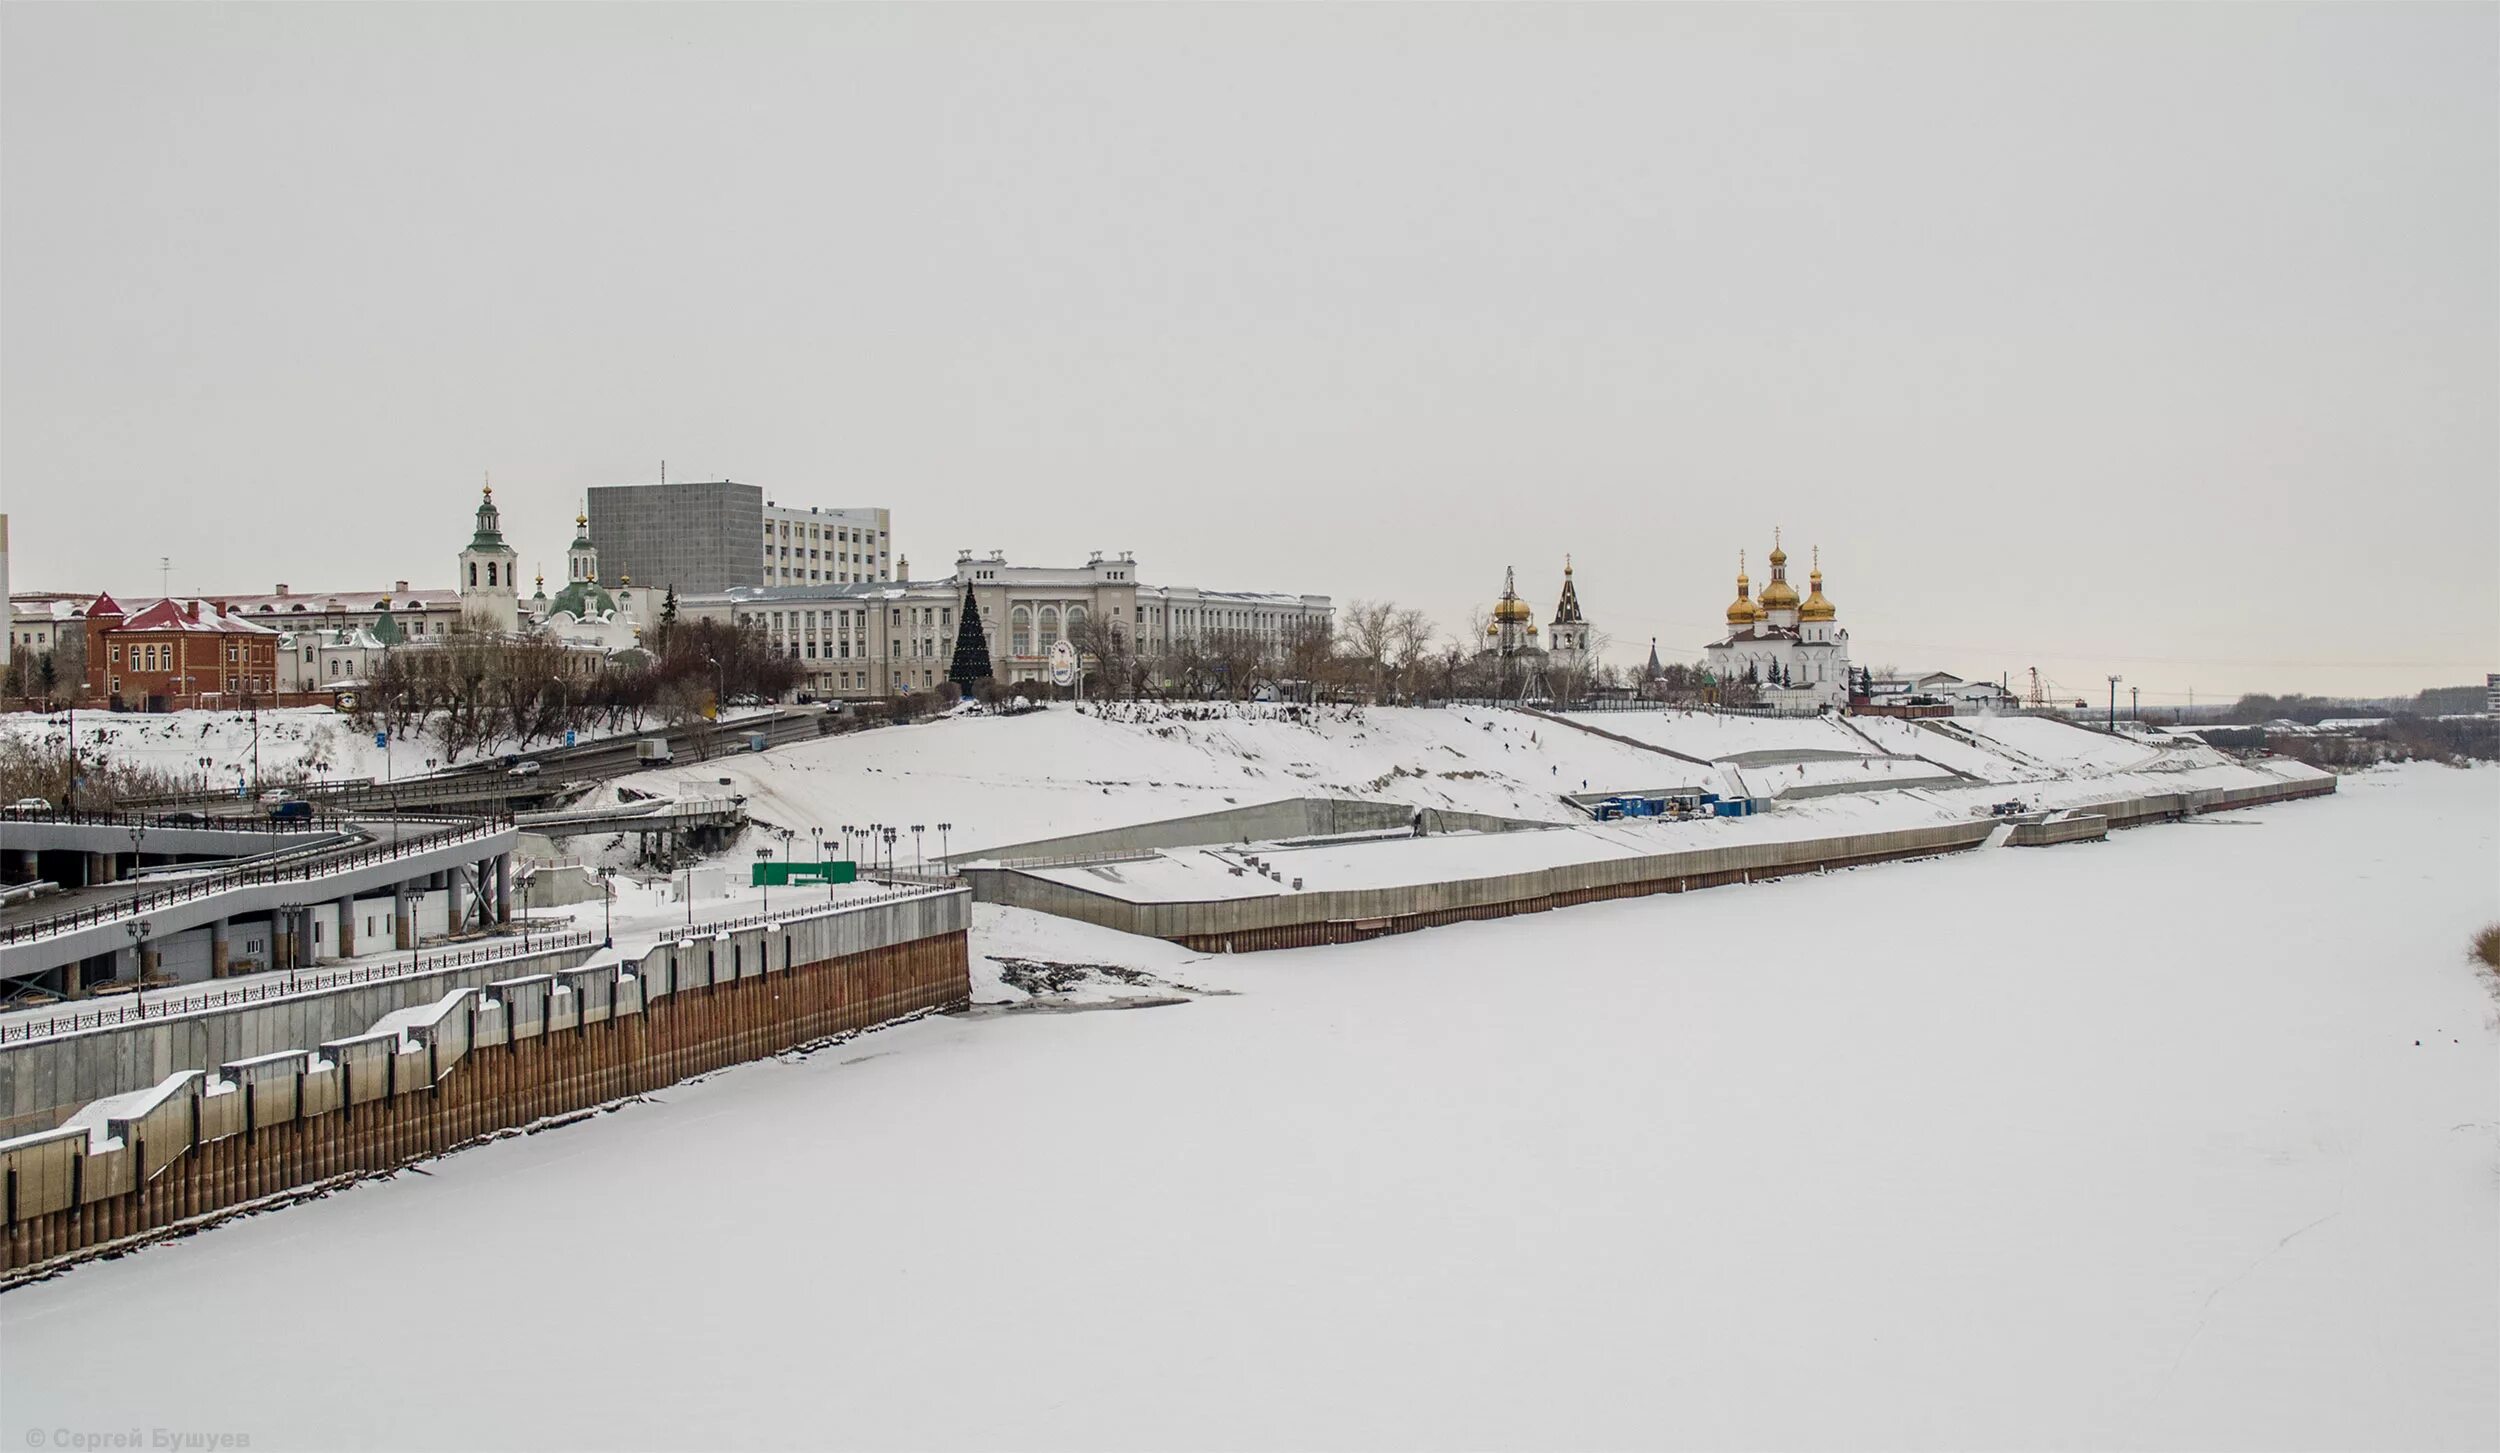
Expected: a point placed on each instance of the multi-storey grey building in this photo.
(708, 536)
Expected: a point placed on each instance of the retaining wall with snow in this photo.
(479, 1060)
(1263, 822)
(1298, 920)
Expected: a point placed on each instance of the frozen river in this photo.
(2191, 1138)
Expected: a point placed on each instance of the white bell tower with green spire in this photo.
(490, 571)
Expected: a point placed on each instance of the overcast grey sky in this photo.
(2148, 339)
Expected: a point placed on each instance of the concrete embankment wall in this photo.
(2175, 806)
(1263, 822)
(43, 1080)
(1299, 920)
(1296, 920)
(2081, 827)
(480, 1060)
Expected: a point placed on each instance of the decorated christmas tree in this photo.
(972, 647)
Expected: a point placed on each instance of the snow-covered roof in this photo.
(335, 602)
(191, 616)
(48, 607)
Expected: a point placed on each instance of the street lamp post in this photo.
(138, 928)
(607, 922)
(891, 834)
(915, 847)
(946, 850)
(2113, 705)
(764, 856)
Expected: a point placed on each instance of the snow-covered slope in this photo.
(1013, 779)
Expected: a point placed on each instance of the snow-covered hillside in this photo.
(1013, 779)
(1003, 780)
(295, 741)
(1919, 1155)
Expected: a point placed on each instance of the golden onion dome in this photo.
(1741, 611)
(1816, 607)
(1512, 609)
(1779, 595)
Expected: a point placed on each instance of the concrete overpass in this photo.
(293, 907)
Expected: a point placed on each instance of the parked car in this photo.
(185, 819)
(294, 810)
(525, 769)
(28, 804)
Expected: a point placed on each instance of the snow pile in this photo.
(1911, 1156)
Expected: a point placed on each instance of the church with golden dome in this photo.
(1794, 650)
(1512, 634)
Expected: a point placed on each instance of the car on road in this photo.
(26, 805)
(525, 769)
(184, 819)
(509, 759)
(297, 810)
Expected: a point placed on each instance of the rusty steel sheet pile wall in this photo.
(431, 1078)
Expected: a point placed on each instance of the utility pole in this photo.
(2135, 703)
(2113, 705)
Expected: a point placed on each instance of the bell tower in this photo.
(490, 570)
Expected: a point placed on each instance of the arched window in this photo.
(472, 578)
(1050, 626)
(1076, 619)
(490, 572)
(1020, 632)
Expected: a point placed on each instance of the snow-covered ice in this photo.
(2186, 1139)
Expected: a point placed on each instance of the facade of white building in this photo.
(1795, 651)
(814, 546)
(885, 638)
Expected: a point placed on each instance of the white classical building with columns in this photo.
(883, 638)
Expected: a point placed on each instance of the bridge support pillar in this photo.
(403, 918)
(125, 963)
(503, 887)
(220, 950)
(99, 869)
(29, 866)
(347, 926)
(151, 958)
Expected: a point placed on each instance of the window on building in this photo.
(1020, 632)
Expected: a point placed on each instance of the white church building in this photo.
(1795, 651)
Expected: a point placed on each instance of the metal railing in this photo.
(207, 822)
(682, 932)
(321, 867)
(166, 1005)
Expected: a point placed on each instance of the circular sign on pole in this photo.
(1062, 664)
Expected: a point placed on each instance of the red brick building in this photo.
(177, 653)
